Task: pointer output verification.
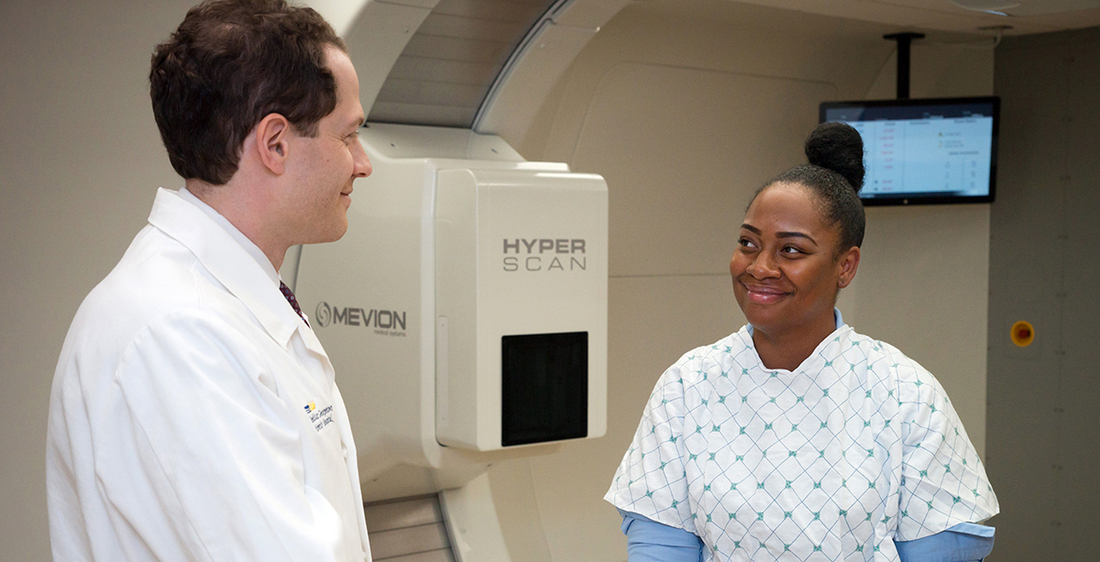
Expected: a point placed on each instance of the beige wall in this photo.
(1043, 419)
(685, 106)
(80, 159)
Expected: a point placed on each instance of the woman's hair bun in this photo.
(837, 147)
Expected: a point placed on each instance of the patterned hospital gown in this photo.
(857, 447)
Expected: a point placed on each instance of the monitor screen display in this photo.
(923, 151)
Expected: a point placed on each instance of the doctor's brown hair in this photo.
(227, 66)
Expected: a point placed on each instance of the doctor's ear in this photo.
(272, 142)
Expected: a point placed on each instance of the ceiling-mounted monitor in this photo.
(924, 151)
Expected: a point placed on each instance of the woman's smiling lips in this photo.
(763, 293)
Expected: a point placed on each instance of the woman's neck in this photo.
(788, 350)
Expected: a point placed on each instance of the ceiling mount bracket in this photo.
(904, 39)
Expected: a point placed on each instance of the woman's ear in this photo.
(848, 264)
(272, 142)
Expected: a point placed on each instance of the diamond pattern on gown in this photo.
(829, 462)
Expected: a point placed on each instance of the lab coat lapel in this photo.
(229, 263)
(314, 346)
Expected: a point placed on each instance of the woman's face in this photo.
(787, 268)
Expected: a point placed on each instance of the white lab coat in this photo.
(194, 415)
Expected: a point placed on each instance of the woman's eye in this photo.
(791, 250)
(745, 243)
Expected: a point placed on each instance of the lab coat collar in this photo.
(242, 240)
(231, 264)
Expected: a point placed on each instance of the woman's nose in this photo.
(763, 266)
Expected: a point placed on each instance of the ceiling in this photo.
(1030, 16)
(445, 70)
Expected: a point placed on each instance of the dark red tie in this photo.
(293, 301)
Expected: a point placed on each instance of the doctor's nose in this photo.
(363, 166)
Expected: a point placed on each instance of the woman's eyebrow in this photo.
(795, 235)
(783, 234)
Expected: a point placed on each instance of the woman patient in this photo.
(797, 438)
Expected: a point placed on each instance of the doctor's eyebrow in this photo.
(353, 125)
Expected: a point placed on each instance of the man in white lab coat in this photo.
(194, 414)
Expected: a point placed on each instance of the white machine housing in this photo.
(458, 251)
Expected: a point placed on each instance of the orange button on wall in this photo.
(1022, 333)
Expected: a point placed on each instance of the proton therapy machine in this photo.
(465, 311)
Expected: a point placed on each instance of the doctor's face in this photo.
(787, 269)
(328, 163)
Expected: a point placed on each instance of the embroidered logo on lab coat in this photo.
(319, 418)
